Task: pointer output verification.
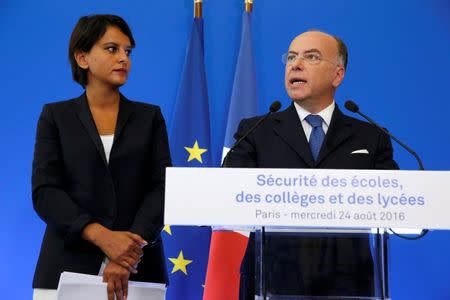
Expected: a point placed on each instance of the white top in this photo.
(326, 115)
(107, 141)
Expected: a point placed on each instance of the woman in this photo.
(98, 170)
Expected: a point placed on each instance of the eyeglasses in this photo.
(311, 58)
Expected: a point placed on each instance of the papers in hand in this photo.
(75, 286)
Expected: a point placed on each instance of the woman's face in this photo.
(108, 62)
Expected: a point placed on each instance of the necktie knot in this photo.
(314, 120)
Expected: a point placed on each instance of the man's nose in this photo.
(298, 63)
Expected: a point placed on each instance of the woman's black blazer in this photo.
(72, 186)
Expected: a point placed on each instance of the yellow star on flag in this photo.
(180, 263)
(195, 152)
(167, 229)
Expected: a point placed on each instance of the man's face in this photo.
(315, 78)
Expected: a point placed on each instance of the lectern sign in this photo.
(308, 198)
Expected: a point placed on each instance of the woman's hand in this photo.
(122, 247)
(116, 278)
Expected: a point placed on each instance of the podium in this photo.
(316, 234)
(366, 279)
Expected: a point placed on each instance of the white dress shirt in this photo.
(326, 115)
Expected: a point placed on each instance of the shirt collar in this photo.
(326, 113)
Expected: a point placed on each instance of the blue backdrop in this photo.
(398, 72)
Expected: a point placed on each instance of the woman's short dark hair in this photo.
(87, 32)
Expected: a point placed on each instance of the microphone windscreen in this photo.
(351, 106)
(275, 106)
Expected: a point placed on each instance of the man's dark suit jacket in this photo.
(312, 265)
(72, 186)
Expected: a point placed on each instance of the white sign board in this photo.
(307, 198)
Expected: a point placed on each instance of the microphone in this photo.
(353, 107)
(274, 107)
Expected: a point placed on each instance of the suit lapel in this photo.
(338, 132)
(289, 127)
(126, 109)
(85, 116)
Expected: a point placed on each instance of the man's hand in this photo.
(116, 278)
(122, 247)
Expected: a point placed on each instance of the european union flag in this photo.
(187, 247)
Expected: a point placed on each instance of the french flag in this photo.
(227, 248)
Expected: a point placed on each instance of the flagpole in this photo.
(198, 9)
(248, 6)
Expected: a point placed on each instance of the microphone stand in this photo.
(381, 247)
(274, 107)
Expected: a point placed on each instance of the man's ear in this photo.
(80, 57)
(339, 76)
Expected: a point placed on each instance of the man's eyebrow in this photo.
(307, 51)
(313, 50)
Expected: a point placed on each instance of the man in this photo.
(313, 133)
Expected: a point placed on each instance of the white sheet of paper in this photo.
(75, 286)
